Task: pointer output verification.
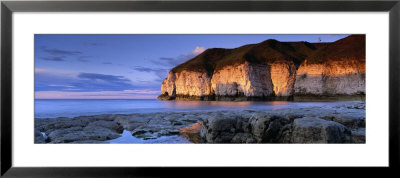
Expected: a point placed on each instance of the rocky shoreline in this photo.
(322, 124)
(308, 97)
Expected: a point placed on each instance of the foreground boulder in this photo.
(77, 130)
(259, 128)
(263, 128)
(316, 130)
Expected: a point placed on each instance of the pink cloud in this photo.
(198, 50)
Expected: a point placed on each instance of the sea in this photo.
(52, 108)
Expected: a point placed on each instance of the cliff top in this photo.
(273, 51)
(351, 47)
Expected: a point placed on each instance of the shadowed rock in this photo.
(317, 124)
(316, 130)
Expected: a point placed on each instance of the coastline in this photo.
(315, 124)
(305, 98)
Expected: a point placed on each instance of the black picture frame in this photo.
(8, 7)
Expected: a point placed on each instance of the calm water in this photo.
(72, 108)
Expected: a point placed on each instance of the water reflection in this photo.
(73, 108)
(218, 104)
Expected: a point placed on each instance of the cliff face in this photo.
(242, 80)
(336, 69)
(271, 68)
(331, 78)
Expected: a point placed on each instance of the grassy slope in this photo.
(273, 51)
(351, 47)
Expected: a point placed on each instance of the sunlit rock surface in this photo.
(244, 79)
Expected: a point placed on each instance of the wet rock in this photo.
(219, 129)
(192, 132)
(316, 130)
(142, 133)
(243, 138)
(356, 106)
(107, 124)
(167, 133)
(74, 134)
(260, 128)
(39, 138)
(358, 136)
(353, 122)
(89, 141)
(315, 124)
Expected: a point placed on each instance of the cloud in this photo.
(166, 58)
(143, 69)
(172, 62)
(143, 91)
(125, 94)
(58, 80)
(84, 58)
(198, 50)
(107, 63)
(54, 58)
(40, 70)
(59, 55)
(161, 73)
(58, 52)
(92, 44)
(103, 77)
(54, 72)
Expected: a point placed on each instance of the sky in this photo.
(125, 66)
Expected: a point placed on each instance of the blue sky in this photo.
(125, 66)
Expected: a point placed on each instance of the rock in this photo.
(107, 124)
(260, 128)
(285, 134)
(75, 134)
(290, 125)
(353, 122)
(316, 130)
(259, 125)
(39, 138)
(358, 136)
(79, 129)
(192, 132)
(49, 125)
(167, 133)
(266, 130)
(219, 129)
(243, 138)
(89, 141)
(142, 133)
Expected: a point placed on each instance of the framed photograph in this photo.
(103, 88)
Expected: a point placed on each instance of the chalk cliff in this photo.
(271, 69)
(336, 69)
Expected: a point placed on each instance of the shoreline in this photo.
(289, 125)
(305, 98)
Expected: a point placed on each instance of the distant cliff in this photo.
(271, 69)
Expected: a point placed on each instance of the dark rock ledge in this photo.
(341, 124)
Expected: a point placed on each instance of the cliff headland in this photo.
(271, 70)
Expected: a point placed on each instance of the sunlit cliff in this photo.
(271, 69)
